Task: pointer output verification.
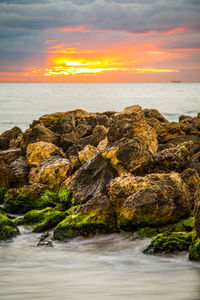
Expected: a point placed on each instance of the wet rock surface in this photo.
(81, 174)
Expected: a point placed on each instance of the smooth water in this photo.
(105, 267)
(100, 268)
(21, 103)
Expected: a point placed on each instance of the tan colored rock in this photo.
(87, 153)
(38, 151)
(152, 200)
(51, 171)
(131, 124)
(36, 134)
(103, 144)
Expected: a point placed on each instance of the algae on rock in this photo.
(8, 228)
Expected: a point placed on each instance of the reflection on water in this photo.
(104, 267)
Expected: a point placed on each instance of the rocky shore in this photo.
(83, 174)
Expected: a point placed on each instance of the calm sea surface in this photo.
(105, 267)
(20, 103)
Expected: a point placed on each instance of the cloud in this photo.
(131, 16)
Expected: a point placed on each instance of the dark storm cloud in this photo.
(131, 16)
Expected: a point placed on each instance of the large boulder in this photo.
(8, 136)
(51, 171)
(152, 200)
(36, 152)
(172, 159)
(38, 133)
(131, 124)
(21, 200)
(94, 217)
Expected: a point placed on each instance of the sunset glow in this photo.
(100, 41)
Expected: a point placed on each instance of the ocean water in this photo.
(110, 267)
(20, 103)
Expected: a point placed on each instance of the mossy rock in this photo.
(3, 191)
(80, 225)
(19, 202)
(41, 220)
(169, 242)
(194, 249)
(8, 229)
(186, 225)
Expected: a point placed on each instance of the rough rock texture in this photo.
(51, 171)
(172, 159)
(36, 152)
(7, 136)
(132, 124)
(7, 177)
(99, 133)
(38, 133)
(20, 170)
(155, 199)
(8, 229)
(8, 156)
(94, 217)
(194, 162)
(24, 199)
(169, 242)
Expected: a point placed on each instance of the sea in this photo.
(106, 267)
(21, 103)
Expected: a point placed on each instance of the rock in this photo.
(8, 156)
(194, 162)
(153, 200)
(45, 240)
(197, 213)
(24, 199)
(194, 249)
(38, 151)
(128, 156)
(185, 225)
(51, 171)
(102, 144)
(3, 191)
(8, 229)
(169, 242)
(7, 177)
(20, 170)
(94, 217)
(99, 133)
(91, 179)
(192, 180)
(38, 133)
(172, 159)
(45, 219)
(154, 114)
(83, 156)
(7, 136)
(193, 141)
(131, 124)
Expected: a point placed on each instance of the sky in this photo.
(99, 40)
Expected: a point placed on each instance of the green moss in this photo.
(42, 220)
(19, 202)
(185, 225)
(8, 229)
(169, 242)
(145, 232)
(81, 225)
(51, 219)
(3, 191)
(194, 250)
